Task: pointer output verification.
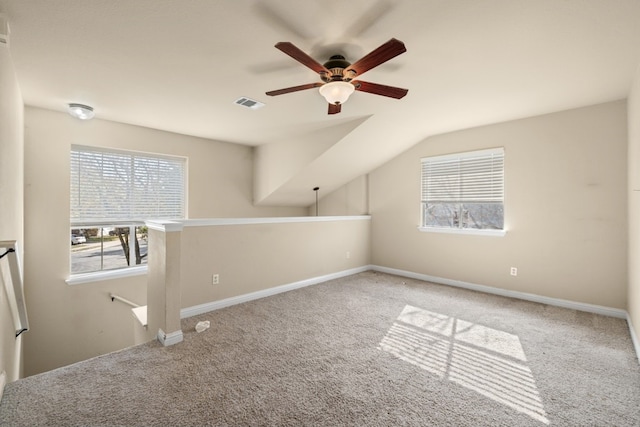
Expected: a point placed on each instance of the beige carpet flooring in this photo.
(370, 349)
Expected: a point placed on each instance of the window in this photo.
(112, 193)
(464, 191)
(108, 248)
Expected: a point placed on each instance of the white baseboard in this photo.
(590, 308)
(169, 339)
(634, 337)
(216, 305)
(3, 382)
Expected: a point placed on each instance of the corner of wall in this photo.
(633, 191)
(634, 338)
(12, 196)
(3, 382)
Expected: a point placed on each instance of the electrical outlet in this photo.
(348, 254)
(514, 271)
(215, 279)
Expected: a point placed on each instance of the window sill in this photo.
(468, 231)
(98, 276)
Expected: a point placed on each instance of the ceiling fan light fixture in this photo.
(81, 111)
(337, 92)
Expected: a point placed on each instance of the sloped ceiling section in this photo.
(179, 66)
(281, 164)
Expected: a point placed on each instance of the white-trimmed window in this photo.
(112, 193)
(463, 191)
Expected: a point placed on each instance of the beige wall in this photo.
(350, 199)
(634, 204)
(278, 162)
(254, 257)
(565, 209)
(11, 203)
(72, 323)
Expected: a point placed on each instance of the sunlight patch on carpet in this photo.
(485, 360)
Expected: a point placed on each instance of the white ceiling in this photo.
(180, 65)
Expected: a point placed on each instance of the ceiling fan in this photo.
(338, 74)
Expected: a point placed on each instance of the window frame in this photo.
(460, 229)
(123, 218)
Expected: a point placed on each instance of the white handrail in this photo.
(124, 300)
(11, 253)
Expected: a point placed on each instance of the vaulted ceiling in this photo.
(180, 65)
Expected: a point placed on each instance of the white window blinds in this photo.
(110, 185)
(474, 177)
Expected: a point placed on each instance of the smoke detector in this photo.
(81, 111)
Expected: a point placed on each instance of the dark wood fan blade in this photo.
(335, 108)
(294, 89)
(302, 57)
(378, 89)
(378, 56)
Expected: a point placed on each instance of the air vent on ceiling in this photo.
(249, 103)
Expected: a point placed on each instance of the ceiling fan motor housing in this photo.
(336, 65)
